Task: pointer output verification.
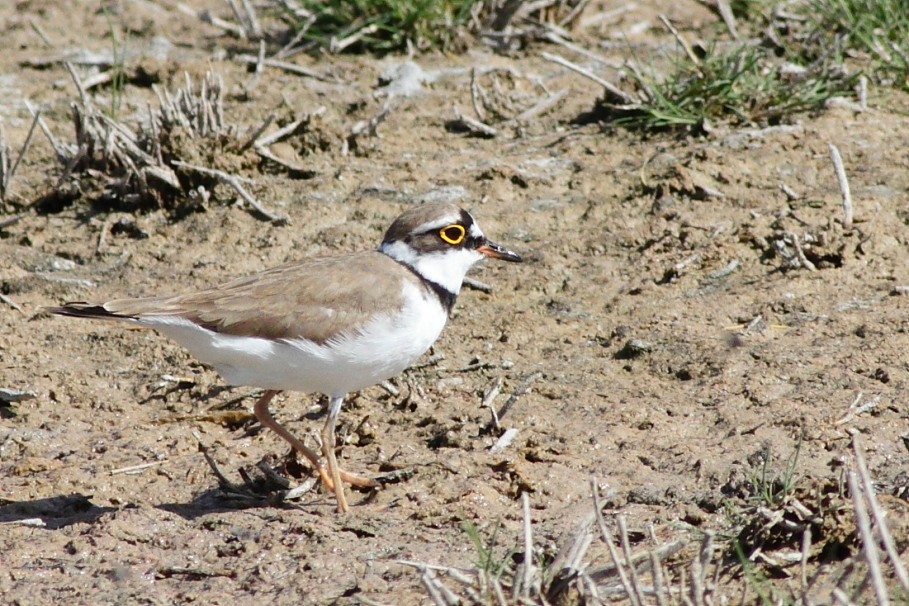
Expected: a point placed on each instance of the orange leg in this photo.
(331, 477)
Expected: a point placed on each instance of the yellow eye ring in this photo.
(453, 234)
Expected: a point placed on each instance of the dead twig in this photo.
(257, 72)
(556, 39)
(225, 484)
(573, 14)
(505, 440)
(290, 49)
(80, 88)
(796, 243)
(251, 21)
(293, 168)
(5, 299)
(857, 407)
(489, 397)
(699, 566)
(336, 45)
(368, 128)
(473, 124)
(519, 391)
(254, 136)
(440, 594)
(234, 183)
(12, 220)
(288, 67)
(614, 91)
(473, 284)
(134, 469)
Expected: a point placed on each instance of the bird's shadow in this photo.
(52, 512)
(267, 484)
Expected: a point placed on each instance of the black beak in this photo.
(495, 251)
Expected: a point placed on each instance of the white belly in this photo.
(379, 350)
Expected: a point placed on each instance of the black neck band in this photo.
(446, 297)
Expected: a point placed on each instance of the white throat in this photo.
(446, 268)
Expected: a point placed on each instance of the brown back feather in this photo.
(303, 299)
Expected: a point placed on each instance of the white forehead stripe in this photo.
(454, 218)
(441, 222)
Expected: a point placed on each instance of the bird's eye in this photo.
(453, 234)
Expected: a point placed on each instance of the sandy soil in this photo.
(668, 344)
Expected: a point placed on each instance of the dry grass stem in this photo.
(7, 171)
(556, 39)
(571, 555)
(477, 96)
(289, 129)
(337, 45)
(542, 106)
(803, 564)
(843, 182)
(201, 114)
(288, 67)
(879, 517)
(527, 581)
(613, 91)
(869, 545)
(692, 56)
(206, 17)
(626, 551)
(59, 151)
(39, 30)
(606, 536)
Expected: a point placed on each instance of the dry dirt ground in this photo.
(668, 344)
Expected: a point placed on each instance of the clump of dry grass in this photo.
(173, 160)
(775, 558)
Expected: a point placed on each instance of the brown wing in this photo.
(313, 299)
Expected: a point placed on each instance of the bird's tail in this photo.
(81, 309)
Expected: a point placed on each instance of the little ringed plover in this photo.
(330, 325)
